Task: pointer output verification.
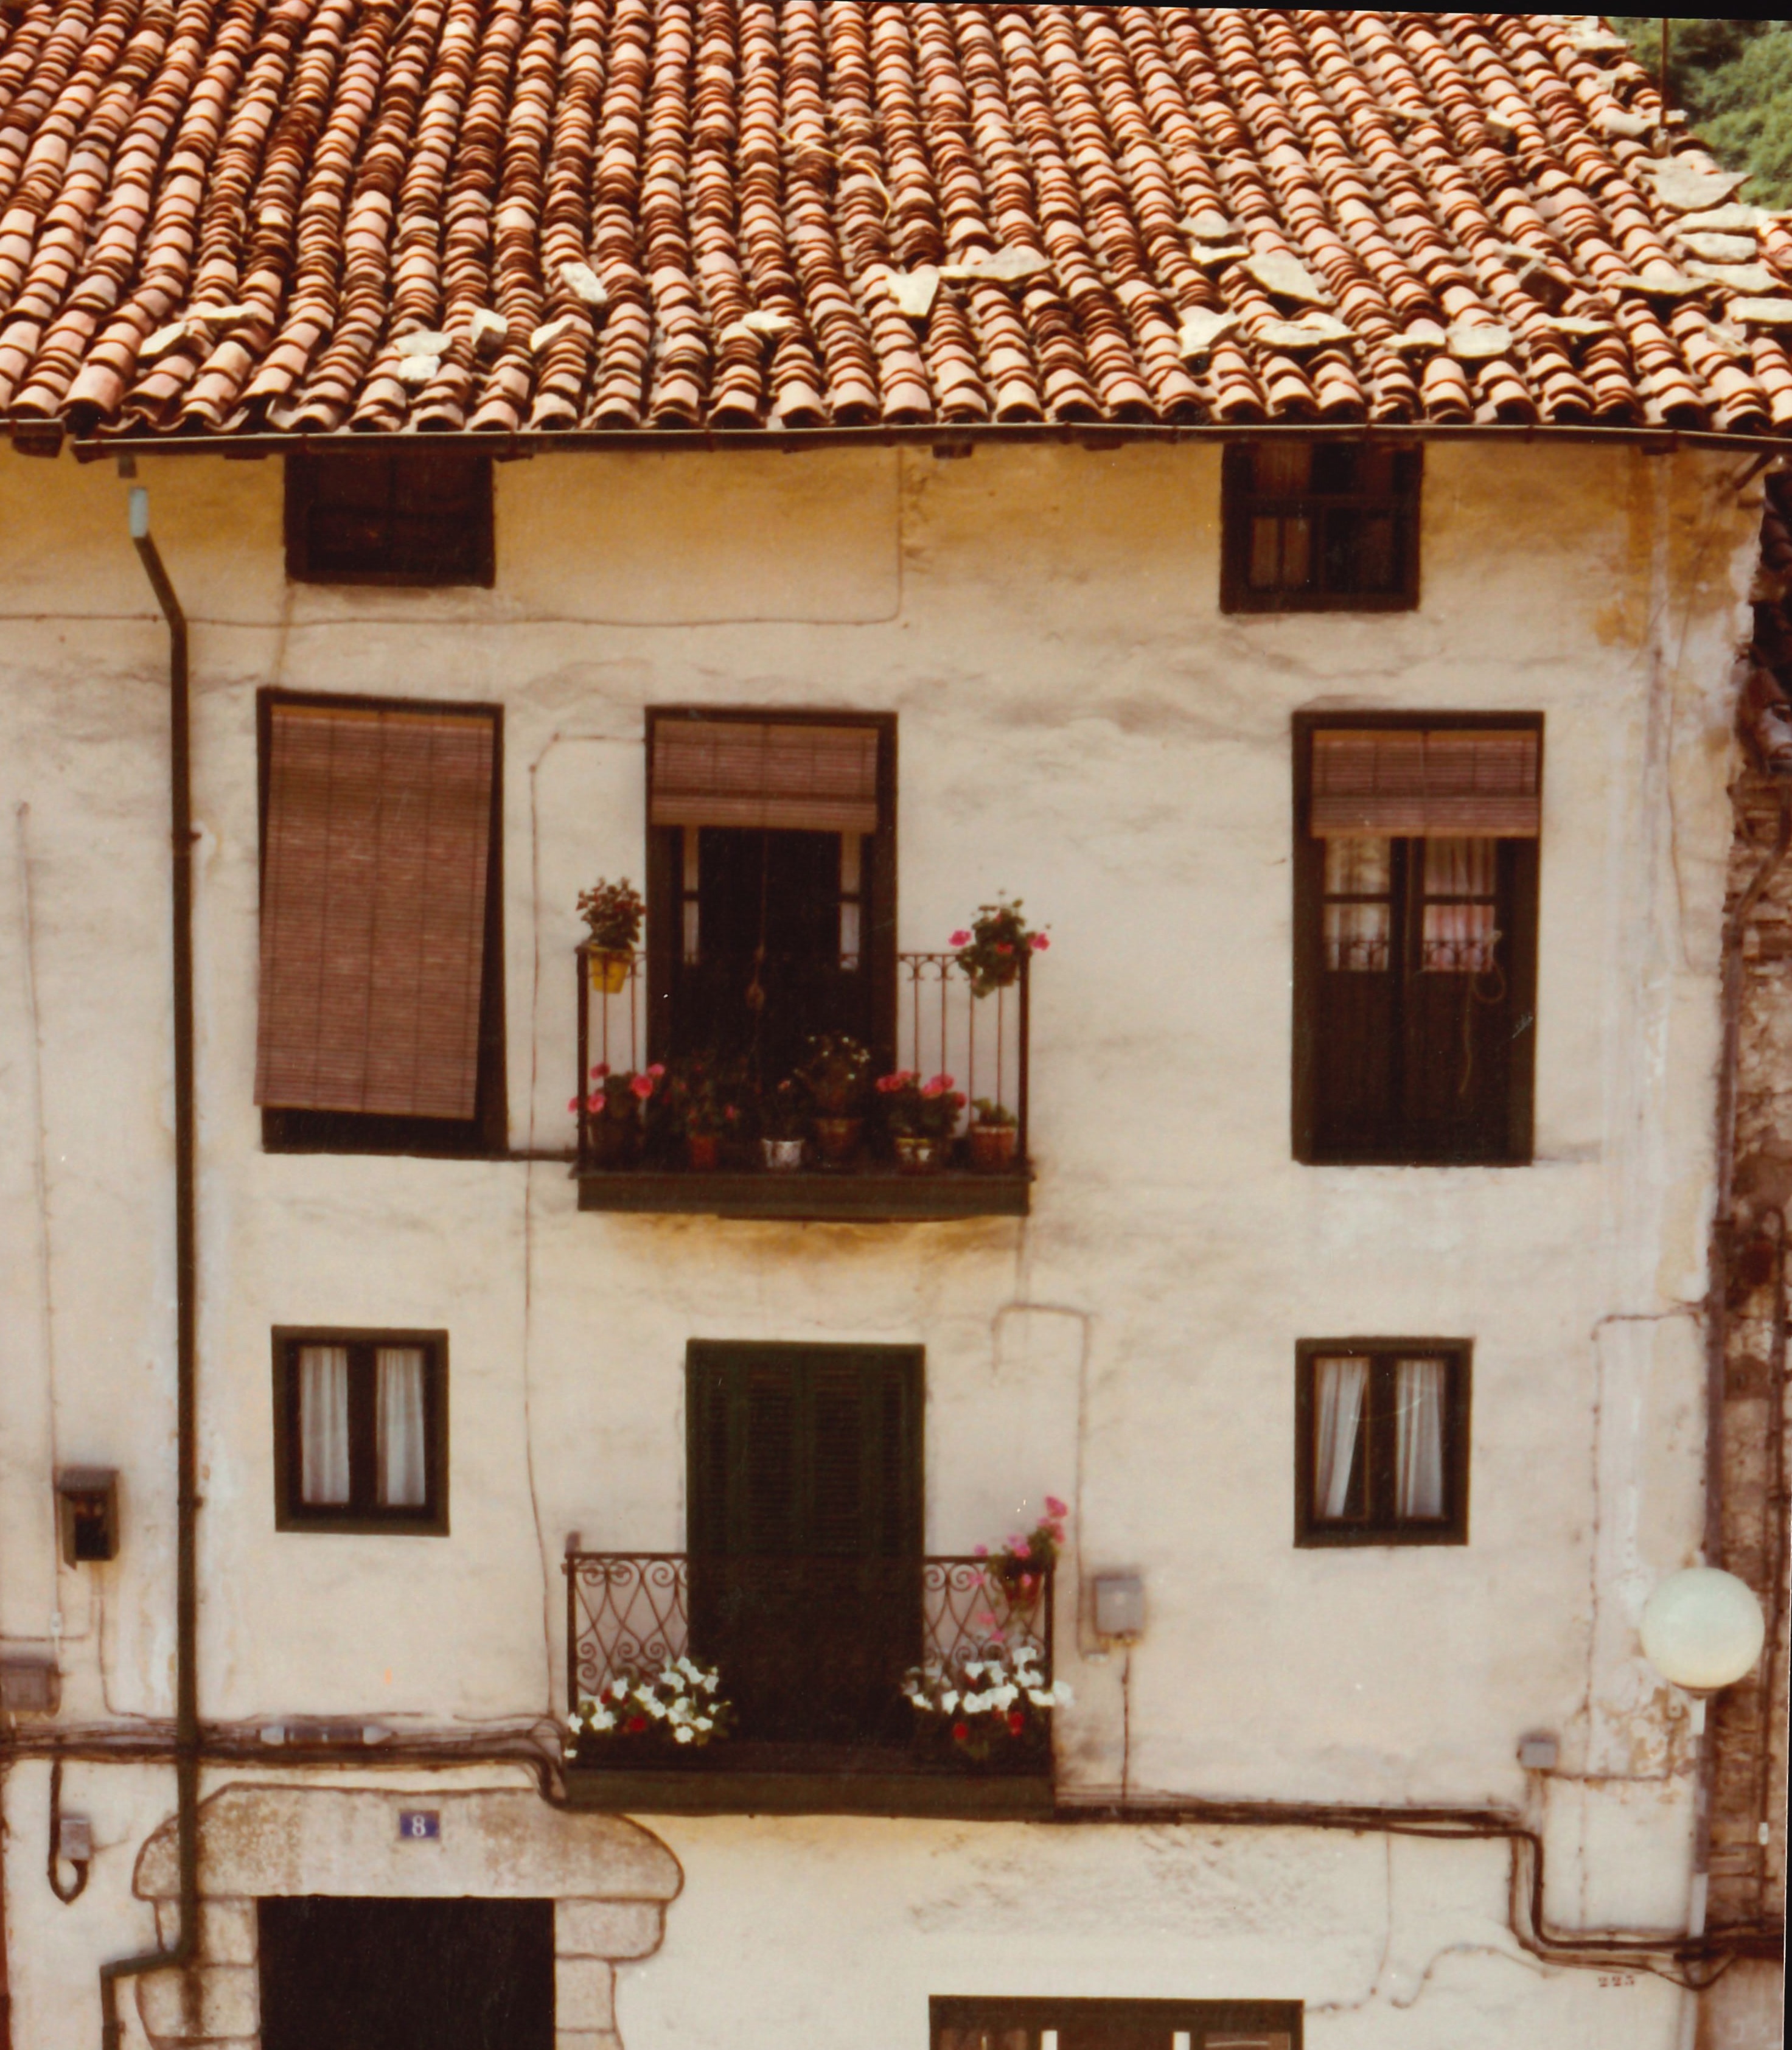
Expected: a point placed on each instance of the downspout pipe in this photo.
(182, 1952)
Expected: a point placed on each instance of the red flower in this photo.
(961, 1733)
(574, 1104)
(642, 1085)
(1002, 947)
(1054, 1507)
(636, 1724)
(960, 939)
(600, 1070)
(1017, 1722)
(657, 1070)
(1039, 943)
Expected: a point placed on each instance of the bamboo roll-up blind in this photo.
(757, 773)
(1396, 782)
(373, 911)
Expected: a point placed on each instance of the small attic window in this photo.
(1320, 527)
(377, 515)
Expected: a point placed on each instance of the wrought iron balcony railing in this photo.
(813, 1654)
(633, 1156)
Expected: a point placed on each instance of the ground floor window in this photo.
(989, 2024)
(387, 1974)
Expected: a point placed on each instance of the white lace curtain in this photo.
(323, 1424)
(399, 1400)
(1341, 1385)
(1418, 1438)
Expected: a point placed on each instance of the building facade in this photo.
(1344, 1300)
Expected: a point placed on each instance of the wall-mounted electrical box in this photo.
(86, 1512)
(28, 1685)
(1538, 1751)
(1119, 1604)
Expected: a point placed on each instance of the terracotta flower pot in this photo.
(993, 1147)
(702, 1151)
(609, 970)
(920, 1157)
(839, 1139)
(782, 1156)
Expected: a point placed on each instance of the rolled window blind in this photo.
(373, 911)
(756, 773)
(1407, 783)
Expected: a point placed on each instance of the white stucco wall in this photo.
(1079, 723)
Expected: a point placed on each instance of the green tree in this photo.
(1735, 81)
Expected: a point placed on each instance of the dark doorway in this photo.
(362, 1975)
(805, 1535)
(773, 945)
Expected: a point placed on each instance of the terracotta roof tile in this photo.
(221, 216)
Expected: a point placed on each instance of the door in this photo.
(364, 1974)
(805, 1517)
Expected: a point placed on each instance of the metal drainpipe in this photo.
(182, 1952)
(1717, 1324)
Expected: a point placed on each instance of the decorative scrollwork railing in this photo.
(628, 1613)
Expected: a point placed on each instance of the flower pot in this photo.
(702, 1151)
(920, 1157)
(610, 1141)
(783, 1156)
(838, 1138)
(993, 1147)
(609, 970)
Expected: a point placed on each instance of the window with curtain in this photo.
(1381, 1442)
(1416, 882)
(380, 1017)
(771, 884)
(1320, 527)
(361, 1431)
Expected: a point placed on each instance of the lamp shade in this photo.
(1703, 1629)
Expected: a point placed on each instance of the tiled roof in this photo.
(242, 215)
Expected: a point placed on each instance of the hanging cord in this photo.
(52, 1859)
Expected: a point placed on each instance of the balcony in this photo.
(811, 1653)
(641, 1162)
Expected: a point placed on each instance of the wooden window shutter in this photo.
(1390, 783)
(373, 911)
(759, 773)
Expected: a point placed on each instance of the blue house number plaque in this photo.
(418, 1825)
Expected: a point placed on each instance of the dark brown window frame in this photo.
(1379, 1527)
(1239, 501)
(665, 900)
(486, 1134)
(303, 480)
(1206, 2022)
(363, 1520)
(1517, 1140)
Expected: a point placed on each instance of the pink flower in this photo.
(1026, 1583)
(983, 1551)
(574, 1104)
(1054, 1507)
(594, 1102)
(1039, 943)
(657, 1070)
(600, 1071)
(960, 939)
(642, 1086)
(1020, 1547)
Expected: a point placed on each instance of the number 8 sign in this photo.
(420, 1825)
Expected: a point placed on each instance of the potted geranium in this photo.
(783, 1119)
(703, 1108)
(1019, 1569)
(679, 1708)
(992, 1136)
(921, 1118)
(612, 912)
(834, 1077)
(991, 952)
(987, 1709)
(614, 1111)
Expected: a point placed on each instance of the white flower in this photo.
(1041, 1697)
(1060, 1694)
(681, 1735)
(706, 1722)
(948, 1700)
(619, 1690)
